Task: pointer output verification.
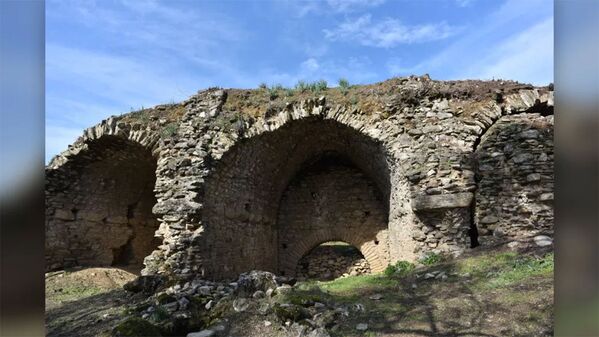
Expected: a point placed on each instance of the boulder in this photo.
(203, 333)
(543, 240)
(249, 283)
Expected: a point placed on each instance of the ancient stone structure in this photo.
(235, 180)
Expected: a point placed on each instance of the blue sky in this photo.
(107, 57)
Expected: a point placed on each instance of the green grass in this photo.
(432, 259)
(488, 271)
(353, 285)
(315, 87)
(74, 292)
(400, 268)
(505, 269)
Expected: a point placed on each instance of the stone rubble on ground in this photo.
(362, 327)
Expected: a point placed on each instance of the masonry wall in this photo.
(99, 207)
(332, 201)
(514, 199)
(429, 147)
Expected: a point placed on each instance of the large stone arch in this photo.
(99, 199)
(243, 195)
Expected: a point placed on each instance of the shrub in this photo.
(343, 83)
(301, 86)
(344, 86)
(263, 86)
(399, 268)
(273, 91)
(320, 86)
(390, 270)
(272, 94)
(431, 258)
(404, 267)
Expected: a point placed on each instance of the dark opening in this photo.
(74, 211)
(123, 255)
(131, 211)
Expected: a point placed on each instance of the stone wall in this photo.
(221, 177)
(100, 206)
(514, 199)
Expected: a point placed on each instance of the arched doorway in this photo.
(331, 260)
(100, 206)
(330, 198)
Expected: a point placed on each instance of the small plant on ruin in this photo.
(400, 268)
(273, 91)
(390, 270)
(344, 86)
(170, 129)
(238, 123)
(404, 267)
(263, 86)
(431, 258)
(318, 86)
(301, 86)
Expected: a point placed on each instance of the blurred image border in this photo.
(22, 34)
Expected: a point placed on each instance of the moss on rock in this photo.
(135, 326)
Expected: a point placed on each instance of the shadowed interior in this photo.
(102, 206)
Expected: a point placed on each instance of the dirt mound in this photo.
(85, 302)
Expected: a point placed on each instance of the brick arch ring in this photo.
(366, 246)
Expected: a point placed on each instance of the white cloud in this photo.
(464, 3)
(526, 56)
(485, 51)
(395, 67)
(350, 5)
(310, 65)
(58, 138)
(387, 33)
(305, 7)
(115, 78)
(355, 69)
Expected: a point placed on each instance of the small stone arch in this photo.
(368, 248)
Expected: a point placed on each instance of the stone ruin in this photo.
(236, 180)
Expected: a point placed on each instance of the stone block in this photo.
(440, 201)
(64, 214)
